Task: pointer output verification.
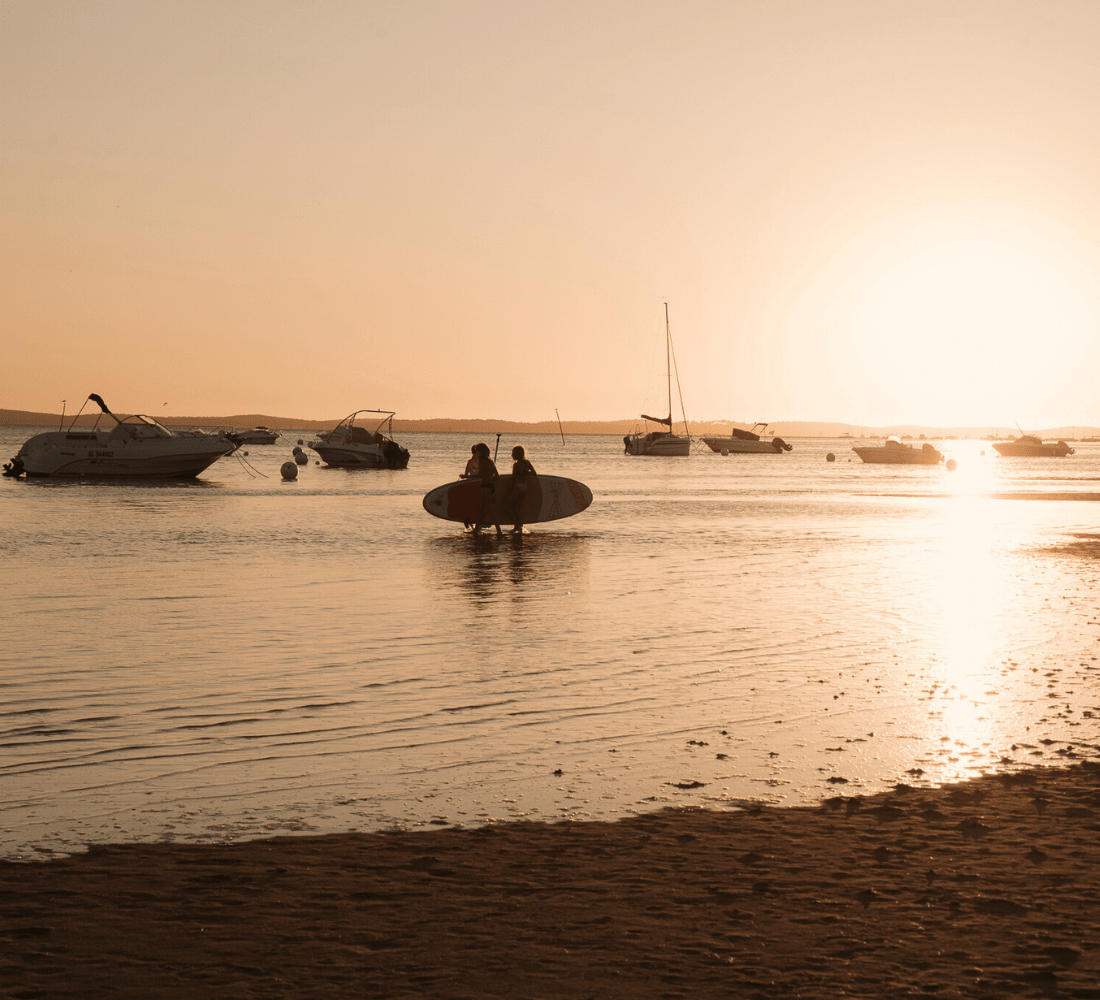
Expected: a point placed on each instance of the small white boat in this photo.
(137, 446)
(893, 452)
(750, 442)
(257, 435)
(352, 445)
(661, 443)
(1028, 446)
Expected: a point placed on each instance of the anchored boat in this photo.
(662, 442)
(137, 446)
(358, 442)
(893, 452)
(750, 442)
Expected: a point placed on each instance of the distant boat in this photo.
(137, 446)
(350, 444)
(257, 435)
(1028, 446)
(893, 452)
(742, 442)
(662, 443)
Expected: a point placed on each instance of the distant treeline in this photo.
(485, 426)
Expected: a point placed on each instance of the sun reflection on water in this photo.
(967, 601)
(975, 472)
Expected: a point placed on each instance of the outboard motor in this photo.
(14, 468)
(394, 455)
(780, 445)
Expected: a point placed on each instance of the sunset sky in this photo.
(874, 212)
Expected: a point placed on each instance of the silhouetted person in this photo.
(521, 470)
(487, 473)
(471, 465)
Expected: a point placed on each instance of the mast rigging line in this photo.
(676, 369)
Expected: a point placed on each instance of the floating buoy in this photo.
(300, 456)
(830, 457)
(289, 470)
(952, 465)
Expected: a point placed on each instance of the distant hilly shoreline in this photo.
(485, 426)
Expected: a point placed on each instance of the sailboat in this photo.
(662, 442)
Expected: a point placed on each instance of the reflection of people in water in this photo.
(487, 473)
(521, 469)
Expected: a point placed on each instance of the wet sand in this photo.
(985, 889)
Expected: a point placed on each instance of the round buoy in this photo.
(952, 465)
(301, 458)
(289, 470)
(300, 441)
(830, 457)
(725, 451)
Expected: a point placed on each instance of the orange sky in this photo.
(876, 212)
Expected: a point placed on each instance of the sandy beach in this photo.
(984, 889)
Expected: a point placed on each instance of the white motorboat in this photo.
(750, 442)
(256, 435)
(893, 452)
(1028, 446)
(351, 444)
(662, 443)
(137, 446)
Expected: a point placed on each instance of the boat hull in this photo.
(1010, 449)
(739, 446)
(898, 456)
(256, 436)
(60, 454)
(351, 455)
(659, 445)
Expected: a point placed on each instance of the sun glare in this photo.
(970, 325)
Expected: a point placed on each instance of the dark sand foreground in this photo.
(988, 889)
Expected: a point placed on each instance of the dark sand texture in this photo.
(987, 889)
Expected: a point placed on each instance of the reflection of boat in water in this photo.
(742, 442)
(136, 446)
(662, 443)
(351, 444)
(1028, 446)
(257, 435)
(893, 452)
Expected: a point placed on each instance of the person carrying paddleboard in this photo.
(487, 473)
(521, 469)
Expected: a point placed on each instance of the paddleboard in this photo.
(549, 498)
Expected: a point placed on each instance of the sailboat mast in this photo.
(668, 366)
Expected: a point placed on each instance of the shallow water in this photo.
(238, 656)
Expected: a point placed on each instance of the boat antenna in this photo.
(61, 426)
(558, 415)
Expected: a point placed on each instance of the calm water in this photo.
(237, 656)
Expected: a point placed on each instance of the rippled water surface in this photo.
(237, 656)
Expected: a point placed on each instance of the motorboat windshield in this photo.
(140, 426)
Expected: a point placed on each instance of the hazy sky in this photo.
(877, 212)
